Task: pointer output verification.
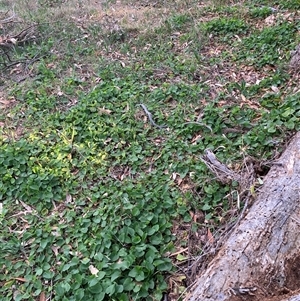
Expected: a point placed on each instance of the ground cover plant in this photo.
(100, 202)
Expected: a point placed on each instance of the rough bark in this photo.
(293, 298)
(261, 258)
(295, 59)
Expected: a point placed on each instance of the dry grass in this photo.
(141, 15)
(35, 11)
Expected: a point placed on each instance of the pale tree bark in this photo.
(293, 298)
(295, 59)
(261, 258)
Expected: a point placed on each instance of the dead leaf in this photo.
(104, 111)
(93, 270)
(5, 102)
(68, 198)
(16, 70)
(13, 41)
(55, 250)
(179, 181)
(275, 89)
(28, 208)
(195, 139)
(176, 33)
(197, 217)
(42, 296)
(210, 237)
(243, 98)
(251, 104)
(20, 279)
(270, 20)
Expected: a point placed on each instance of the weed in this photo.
(269, 46)
(226, 26)
(176, 22)
(260, 12)
(290, 4)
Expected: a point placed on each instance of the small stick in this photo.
(150, 117)
(199, 123)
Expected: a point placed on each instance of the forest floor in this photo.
(106, 110)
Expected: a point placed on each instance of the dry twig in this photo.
(9, 19)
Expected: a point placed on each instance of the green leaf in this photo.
(136, 239)
(288, 112)
(115, 275)
(111, 289)
(123, 297)
(94, 281)
(135, 211)
(99, 256)
(180, 257)
(48, 275)
(96, 289)
(137, 288)
(290, 124)
(18, 297)
(163, 265)
(271, 129)
(85, 260)
(156, 239)
(119, 288)
(128, 284)
(37, 292)
(206, 207)
(62, 288)
(153, 229)
(137, 273)
(99, 296)
(134, 272)
(79, 294)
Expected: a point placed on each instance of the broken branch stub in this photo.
(220, 170)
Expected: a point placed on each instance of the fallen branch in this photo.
(260, 259)
(25, 36)
(9, 19)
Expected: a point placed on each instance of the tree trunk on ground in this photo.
(261, 258)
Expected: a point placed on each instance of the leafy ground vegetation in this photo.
(97, 203)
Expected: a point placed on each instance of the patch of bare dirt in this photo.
(128, 16)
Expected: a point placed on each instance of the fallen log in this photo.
(293, 298)
(260, 260)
